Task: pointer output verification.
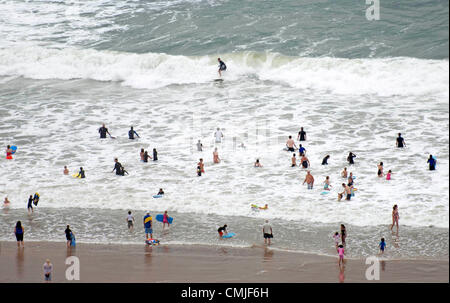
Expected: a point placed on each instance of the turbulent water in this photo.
(66, 67)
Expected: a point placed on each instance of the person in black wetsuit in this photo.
(117, 167)
(432, 163)
(146, 156)
(68, 235)
(155, 155)
(325, 160)
(222, 230)
(131, 133)
(30, 204)
(400, 141)
(301, 135)
(222, 67)
(350, 158)
(103, 131)
(81, 173)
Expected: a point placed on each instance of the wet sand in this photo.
(183, 263)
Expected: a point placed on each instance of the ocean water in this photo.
(66, 67)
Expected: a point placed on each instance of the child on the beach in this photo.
(337, 239)
(382, 245)
(166, 219)
(327, 185)
(341, 254)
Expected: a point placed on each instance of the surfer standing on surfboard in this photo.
(222, 67)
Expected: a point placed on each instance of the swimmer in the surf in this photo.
(380, 170)
(400, 141)
(81, 174)
(301, 135)
(9, 152)
(305, 162)
(131, 133)
(66, 170)
(301, 150)
(350, 158)
(222, 67)
(222, 230)
(117, 167)
(199, 146)
(266, 206)
(141, 154)
(160, 192)
(325, 160)
(216, 158)
(103, 131)
(257, 164)
(294, 160)
(290, 144)
(326, 183)
(344, 173)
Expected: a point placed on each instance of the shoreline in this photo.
(199, 264)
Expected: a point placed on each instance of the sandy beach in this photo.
(200, 264)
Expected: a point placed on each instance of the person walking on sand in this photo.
(395, 217)
(166, 220)
(148, 226)
(290, 144)
(400, 141)
(267, 232)
(19, 231)
(66, 170)
(216, 156)
(103, 131)
(341, 253)
(382, 246)
(130, 221)
(30, 204)
(199, 146)
(131, 133)
(68, 233)
(350, 158)
(309, 179)
(48, 269)
(380, 170)
(219, 135)
(301, 135)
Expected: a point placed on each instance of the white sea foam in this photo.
(382, 77)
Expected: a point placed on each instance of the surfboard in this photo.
(218, 80)
(73, 243)
(325, 192)
(160, 218)
(76, 176)
(158, 196)
(13, 148)
(229, 235)
(152, 241)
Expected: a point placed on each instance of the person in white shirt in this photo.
(199, 146)
(267, 232)
(48, 269)
(219, 135)
(130, 221)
